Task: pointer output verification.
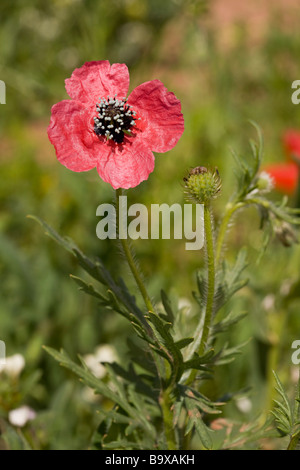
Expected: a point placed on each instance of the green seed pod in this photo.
(202, 185)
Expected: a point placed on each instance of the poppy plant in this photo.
(100, 127)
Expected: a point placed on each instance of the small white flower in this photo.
(285, 287)
(13, 365)
(268, 302)
(184, 304)
(244, 404)
(89, 395)
(104, 353)
(20, 416)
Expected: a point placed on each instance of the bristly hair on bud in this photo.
(202, 185)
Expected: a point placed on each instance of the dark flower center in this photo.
(114, 119)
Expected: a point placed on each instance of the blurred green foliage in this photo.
(41, 44)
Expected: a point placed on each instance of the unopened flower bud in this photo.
(202, 185)
(265, 182)
(285, 233)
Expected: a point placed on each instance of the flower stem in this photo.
(231, 208)
(165, 396)
(131, 262)
(295, 437)
(294, 440)
(210, 278)
(166, 404)
(279, 320)
(209, 242)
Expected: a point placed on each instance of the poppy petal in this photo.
(127, 165)
(71, 132)
(161, 121)
(98, 79)
(291, 142)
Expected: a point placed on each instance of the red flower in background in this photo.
(291, 142)
(100, 127)
(284, 175)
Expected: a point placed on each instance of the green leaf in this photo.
(115, 416)
(167, 306)
(15, 439)
(199, 362)
(200, 401)
(195, 421)
(294, 442)
(89, 289)
(231, 281)
(227, 355)
(246, 171)
(118, 293)
(202, 288)
(230, 320)
(123, 444)
(282, 411)
(89, 379)
(64, 242)
(167, 344)
(183, 343)
(141, 357)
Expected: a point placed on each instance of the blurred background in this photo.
(227, 62)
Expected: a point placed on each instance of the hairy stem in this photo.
(209, 243)
(166, 404)
(294, 440)
(130, 260)
(165, 396)
(210, 278)
(273, 357)
(230, 210)
(295, 437)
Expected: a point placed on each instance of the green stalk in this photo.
(273, 359)
(131, 262)
(166, 404)
(213, 259)
(209, 243)
(295, 437)
(210, 278)
(230, 209)
(294, 440)
(165, 400)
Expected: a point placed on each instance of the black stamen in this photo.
(114, 119)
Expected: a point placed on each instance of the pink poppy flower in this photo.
(99, 127)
